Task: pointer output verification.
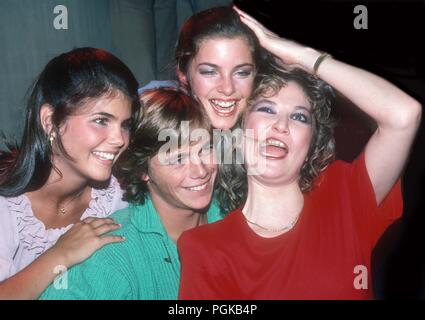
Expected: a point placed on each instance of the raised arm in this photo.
(74, 246)
(396, 113)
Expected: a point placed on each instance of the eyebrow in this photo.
(217, 66)
(108, 115)
(274, 103)
(105, 114)
(304, 108)
(262, 101)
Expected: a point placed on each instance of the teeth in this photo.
(224, 104)
(198, 188)
(276, 143)
(104, 155)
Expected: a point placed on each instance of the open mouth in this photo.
(274, 149)
(224, 108)
(104, 156)
(198, 188)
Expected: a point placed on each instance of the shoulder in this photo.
(9, 241)
(123, 216)
(106, 200)
(214, 211)
(3, 206)
(92, 279)
(340, 173)
(215, 232)
(8, 219)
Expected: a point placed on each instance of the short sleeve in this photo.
(8, 241)
(358, 196)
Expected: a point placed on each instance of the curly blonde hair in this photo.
(232, 179)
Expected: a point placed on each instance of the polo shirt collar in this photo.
(146, 218)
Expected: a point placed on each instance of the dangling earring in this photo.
(51, 138)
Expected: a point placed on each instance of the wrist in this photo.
(58, 257)
(308, 58)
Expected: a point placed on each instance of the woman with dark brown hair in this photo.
(56, 186)
(217, 57)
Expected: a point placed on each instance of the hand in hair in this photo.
(293, 54)
(396, 114)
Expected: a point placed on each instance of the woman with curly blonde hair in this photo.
(303, 226)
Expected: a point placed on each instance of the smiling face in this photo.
(283, 129)
(185, 180)
(221, 77)
(94, 137)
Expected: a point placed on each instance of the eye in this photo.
(243, 73)
(207, 72)
(300, 117)
(206, 150)
(173, 161)
(178, 160)
(101, 121)
(265, 109)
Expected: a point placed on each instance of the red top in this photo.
(336, 231)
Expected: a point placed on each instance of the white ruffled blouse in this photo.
(23, 237)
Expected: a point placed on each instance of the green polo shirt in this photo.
(145, 266)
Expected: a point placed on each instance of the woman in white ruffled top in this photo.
(56, 187)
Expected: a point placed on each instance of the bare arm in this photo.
(396, 113)
(73, 247)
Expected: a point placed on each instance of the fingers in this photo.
(242, 13)
(105, 228)
(259, 30)
(88, 220)
(245, 17)
(100, 226)
(111, 239)
(97, 222)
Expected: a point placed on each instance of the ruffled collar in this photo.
(33, 234)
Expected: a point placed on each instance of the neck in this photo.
(273, 206)
(176, 220)
(60, 190)
(56, 195)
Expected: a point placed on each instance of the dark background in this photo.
(392, 47)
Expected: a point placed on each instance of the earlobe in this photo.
(46, 113)
(182, 77)
(145, 177)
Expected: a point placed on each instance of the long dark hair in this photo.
(213, 23)
(66, 82)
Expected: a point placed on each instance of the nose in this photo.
(118, 137)
(198, 170)
(281, 125)
(227, 86)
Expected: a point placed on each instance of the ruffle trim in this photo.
(33, 234)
